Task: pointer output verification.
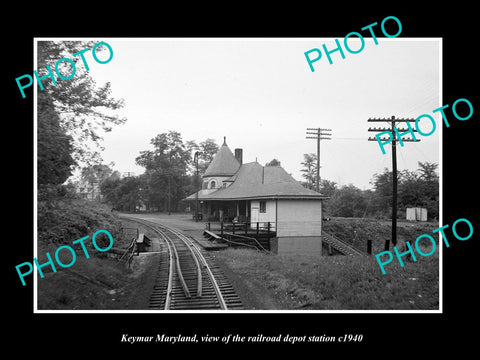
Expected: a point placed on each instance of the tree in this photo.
(123, 194)
(83, 108)
(128, 193)
(54, 146)
(328, 187)
(92, 176)
(207, 148)
(309, 170)
(166, 170)
(428, 172)
(381, 204)
(409, 192)
(109, 189)
(418, 188)
(429, 185)
(348, 201)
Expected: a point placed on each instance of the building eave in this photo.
(259, 197)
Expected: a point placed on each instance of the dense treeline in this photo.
(418, 188)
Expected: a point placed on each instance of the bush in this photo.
(66, 220)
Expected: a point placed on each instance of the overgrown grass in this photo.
(338, 282)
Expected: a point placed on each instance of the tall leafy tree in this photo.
(85, 110)
(123, 194)
(166, 169)
(207, 150)
(54, 146)
(428, 172)
(309, 170)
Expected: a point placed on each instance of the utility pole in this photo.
(195, 158)
(394, 131)
(318, 134)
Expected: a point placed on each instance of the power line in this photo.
(393, 132)
(349, 138)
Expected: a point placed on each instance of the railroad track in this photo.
(187, 277)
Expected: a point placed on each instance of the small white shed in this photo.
(416, 214)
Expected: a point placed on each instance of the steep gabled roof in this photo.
(223, 164)
(253, 181)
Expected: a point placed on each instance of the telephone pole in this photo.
(195, 159)
(393, 131)
(318, 134)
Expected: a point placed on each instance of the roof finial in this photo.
(224, 140)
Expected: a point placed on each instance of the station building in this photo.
(252, 193)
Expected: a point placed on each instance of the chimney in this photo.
(239, 155)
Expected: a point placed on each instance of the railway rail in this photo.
(187, 277)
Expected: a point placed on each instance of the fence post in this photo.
(233, 228)
(221, 228)
(246, 227)
(257, 227)
(369, 247)
(209, 226)
(268, 228)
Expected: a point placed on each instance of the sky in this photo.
(261, 94)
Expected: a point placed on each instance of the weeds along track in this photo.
(187, 277)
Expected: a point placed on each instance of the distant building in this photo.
(416, 214)
(89, 191)
(255, 193)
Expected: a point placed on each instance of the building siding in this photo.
(299, 227)
(268, 216)
(298, 245)
(299, 218)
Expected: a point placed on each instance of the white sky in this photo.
(261, 95)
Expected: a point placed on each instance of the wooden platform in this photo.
(230, 239)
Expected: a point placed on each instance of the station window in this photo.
(213, 184)
(263, 206)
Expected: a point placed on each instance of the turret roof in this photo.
(223, 164)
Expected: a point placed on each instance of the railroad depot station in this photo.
(259, 201)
